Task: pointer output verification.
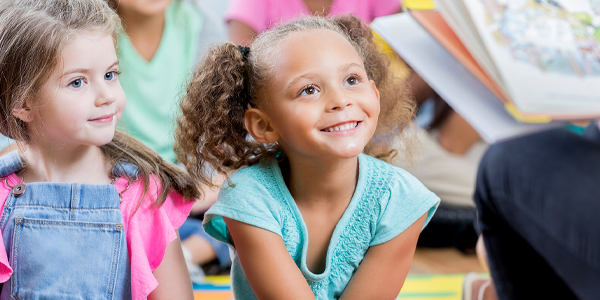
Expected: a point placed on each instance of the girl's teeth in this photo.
(343, 127)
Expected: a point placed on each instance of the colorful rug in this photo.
(416, 287)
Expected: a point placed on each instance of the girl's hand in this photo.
(172, 275)
(270, 269)
(382, 272)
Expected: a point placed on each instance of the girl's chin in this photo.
(350, 153)
(103, 141)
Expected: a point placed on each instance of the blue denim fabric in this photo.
(64, 241)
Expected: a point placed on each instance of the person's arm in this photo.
(172, 275)
(382, 272)
(270, 269)
(209, 196)
(241, 33)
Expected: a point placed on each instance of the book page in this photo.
(456, 15)
(546, 52)
(451, 80)
(433, 22)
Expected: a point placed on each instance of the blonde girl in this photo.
(86, 212)
(308, 212)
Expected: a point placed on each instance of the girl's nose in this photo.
(105, 95)
(338, 101)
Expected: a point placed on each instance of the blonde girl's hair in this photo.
(32, 35)
(211, 132)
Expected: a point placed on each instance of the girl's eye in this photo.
(309, 90)
(77, 83)
(110, 75)
(352, 80)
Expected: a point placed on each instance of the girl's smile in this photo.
(104, 119)
(343, 128)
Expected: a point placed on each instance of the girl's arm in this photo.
(270, 269)
(382, 272)
(172, 275)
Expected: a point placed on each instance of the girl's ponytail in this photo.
(211, 135)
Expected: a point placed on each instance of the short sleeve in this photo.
(251, 12)
(246, 200)
(382, 8)
(149, 230)
(409, 200)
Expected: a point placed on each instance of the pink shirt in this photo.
(148, 230)
(264, 14)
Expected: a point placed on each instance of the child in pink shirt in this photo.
(86, 212)
(247, 18)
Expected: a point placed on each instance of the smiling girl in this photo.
(308, 212)
(82, 206)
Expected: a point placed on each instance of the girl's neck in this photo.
(81, 164)
(144, 32)
(326, 182)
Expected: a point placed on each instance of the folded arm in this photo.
(271, 271)
(382, 272)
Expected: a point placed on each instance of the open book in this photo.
(540, 57)
(456, 84)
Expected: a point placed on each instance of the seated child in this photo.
(247, 18)
(87, 212)
(306, 212)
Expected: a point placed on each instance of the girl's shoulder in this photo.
(262, 173)
(138, 204)
(378, 170)
(256, 185)
(399, 197)
(395, 187)
(10, 163)
(137, 201)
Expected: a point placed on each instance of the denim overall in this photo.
(63, 240)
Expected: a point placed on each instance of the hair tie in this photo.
(245, 51)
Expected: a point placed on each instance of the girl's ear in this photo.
(374, 87)
(23, 113)
(259, 126)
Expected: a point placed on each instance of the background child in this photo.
(310, 94)
(161, 42)
(247, 18)
(84, 206)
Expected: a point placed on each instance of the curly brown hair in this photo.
(32, 34)
(211, 135)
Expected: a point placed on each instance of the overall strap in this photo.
(10, 163)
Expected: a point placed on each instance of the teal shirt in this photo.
(387, 200)
(154, 88)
